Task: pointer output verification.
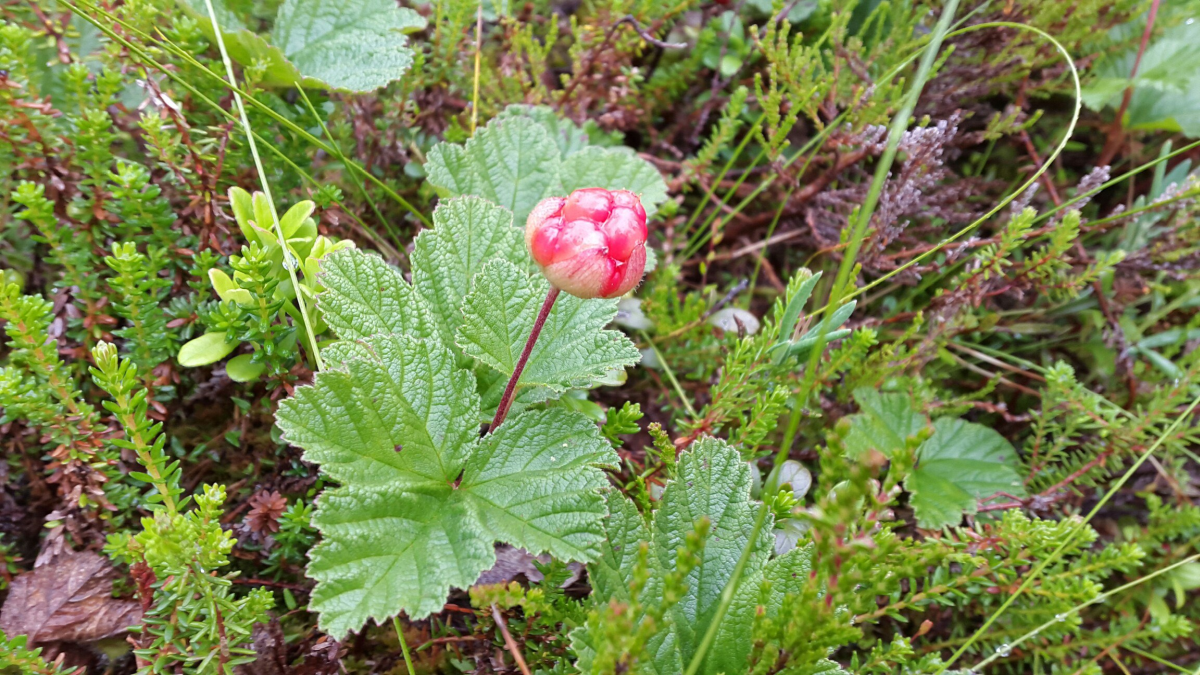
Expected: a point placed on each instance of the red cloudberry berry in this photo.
(592, 244)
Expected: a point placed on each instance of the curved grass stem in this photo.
(898, 126)
(1049, 161)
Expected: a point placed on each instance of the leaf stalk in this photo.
(511, 390)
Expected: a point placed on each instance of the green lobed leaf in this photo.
(491, 390)
(527, 153)
(624, 530)
(1167, 110)
(387, 548)
(569, 136)
(244, 46)
(535, 483)
(512, 162)
(1166, 89)
(960, 464)
(614, 169)
(397, 411)
(713, 482)
(395, 419)
(423, 498)
(352, 45)
(355, 45)
(467, 233)
(364, 296)
(573, 350)
(782, 576)
(886, 422)
(956, 466)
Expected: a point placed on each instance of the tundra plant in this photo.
(395, 418)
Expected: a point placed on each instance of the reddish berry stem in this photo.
(511, 390)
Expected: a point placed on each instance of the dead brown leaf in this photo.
(69, 600)
(513, 564)
(321, 657)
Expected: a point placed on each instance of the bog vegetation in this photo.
(910, 384)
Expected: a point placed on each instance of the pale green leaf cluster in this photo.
(395, 420)
(259, 292)
(525, 155)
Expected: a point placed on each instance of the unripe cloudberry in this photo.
(592, 244)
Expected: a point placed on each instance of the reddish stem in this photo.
(511, 390)
(1115, 135)
(513, 647)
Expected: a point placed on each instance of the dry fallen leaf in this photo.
(513, 563)
(68, 600)
(271, 647)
